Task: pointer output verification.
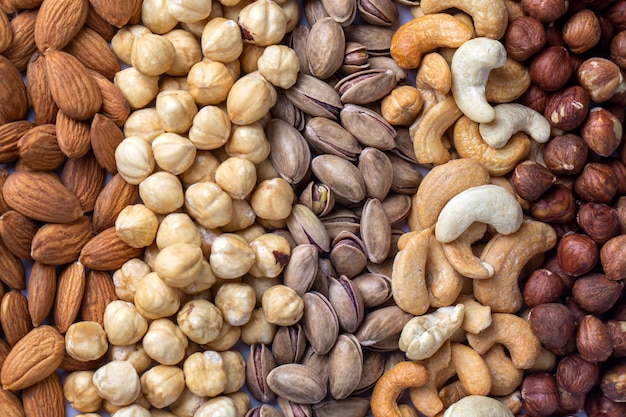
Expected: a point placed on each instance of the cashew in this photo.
(431, 97)
(443, 281)
(507, 83)
(460, 255)
(505, 377)
(442, 183)
(434, 123)
(423, 335)
(407, 411)
(477, 317)
(512, 118)
(488, 203)
(426, 398)
(425, 34)
(514, 333)
(452, 393)
(478, 406)
(471, 369)
(470, 68)
(408, 276)
(513, 401)
(391, 384)
(434, 74)
(469, 144)
(508, 254)
(490, 16)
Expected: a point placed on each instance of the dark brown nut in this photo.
(575, 375)
(620, 207)
(617, 331)
(554, 33)
(524, 37)
(596, 294)
(545, 11)
(596, 183)
(568, 108)
(613, 382)
(539, 394)
(618, 49)
(598, 220)
(552, 264)
(620, 172)
(569, 403)
(593, 340)
(600, 77)
(535, 98)
(617, 15)
(531, 179)
(554, 326)
(543, 286)
(581, 31)
(565, 154)
(575, 309)
(557, 205)
(602, 131)
(613, 259)
(577, 254)
(551, 69)
(598, 405)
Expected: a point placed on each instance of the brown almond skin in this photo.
(38, 91)
(94, 52)
(13, 99)
(105, 136)
(97, 23)
(42, 284)
(33, 358)
(10, 405)
(99, 292)
(106, 251)
(115, 195)
(116, 13)
(84, 177)
(58, 21)
(61, 243)
(14, 315)
(45, 398)
(39, 149)
(72, 135)
(10, 134)
(114, 104)
(13, 274)
(17, 232)
(70, 290)
(23, 44)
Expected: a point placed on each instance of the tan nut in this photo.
(434, 73)
(427, 142)
(490, 18)
(507, 83)
(408, 279)
(460, 255)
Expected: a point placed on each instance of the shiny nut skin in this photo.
(575, 375)
(551, 69)
(567, 109)
(543, 286)
(598, 405)
(557, 205)
(596, 183)
(617, 15)
(535, 98)
(577, 254)
(581, 31)
(612, 258)
(531, 179)
(599, 221)
(620, 172)
(600, 77)
(602, 131)
(593, 340)
(613, 382)
(524, 37)
(618, 49)
(596, 294)
(565, 154)
(554, 326)
(539, 394)
(545, 11)
(617, 331)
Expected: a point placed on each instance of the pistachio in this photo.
(372, 369)
(406, 178)
(318, 198)
(343, 178)
(301, 270)
(396, 207)
(325, 48)
(347, 302)
(348, 407)
(289, 154)
(388, 63)
(297, 42)
(259, 363)
(375, 230)
(342, 11)
(375, 289)
(377, 172)
(325, 271)
(320, 322)
(376, 39)
(378, 12)
(355, 58)
(328, 137)
(289, 344)
(366, 86)
(369, 127)
(306, 227)
(292, 409)
(315, 97)
(286, 111)
(404, 146)
(382, 324)
(338, 220)
(316, 361)
(314, 10)
(297, 383)
(263, 410)
(345, 366)
(348, 254)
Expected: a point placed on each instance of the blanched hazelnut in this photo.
(539, 394)
(282, 305)
(133, 410)
(241, 109)
(204, 280)
(550, 69)
(136, 225)
(133, 354)
(593, 340)
(279, 64)
(138, 89)
(123, 324)
(599, 221)
(162, 192)
(596, 183)
(221, 40)
(236, 301)
(581, 31)
(272, 199)
(173, 153)
(209, 82)
(208, 204)
(162, 385)
(123, 40)
(243, 216)
(210, 129)
(200, 320)
(231, 256)
(187, 49)
(152, 54)
(189, 10)
(177, 228)
(176, 109)
(143, 123)
(220, 405)
(262, 22)
(134, 159)
(602, 131)
(258, 329)
(205, 373)
(165, 342)
(577, 254)
(557, 205)
(235, 366)
(236, 176)
(524, 37)
(576, 375)
(154, 16)
(179, 264)
(202, 170)
(228, 337)
(80, 392)
(271, 253)
(249, 142)
(127, 277)
(86, 341)
(117, 382)
(154, 298)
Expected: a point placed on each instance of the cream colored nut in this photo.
(123, 40)
(134, 159)
(251, 97)
(511, 118)
(408, 276)
(228, 338)
(177, 228)
(235, 366)
(208, 204)
(470, 69)
(144, 123)
(126, 278)
(273, 199)
(152, 54)
(202, 169)
(460, 253)
(123, 324)
(176, 110)
(173, 153)
(478, 406)
(200, 320)
(133, 410)
(138, 89)
(221, 406)
(477, 317)
(209, 82)
(117, 382)
(133, 354)
(154, 298)
(282, 305)
(271, 254)
(236, 176)
(162, 192)
(80, 391)
(490, 18)
(258, 329)
(263, 22)
(488, 203)
(243, 216)
(179, 264)
(508, 82)
(210, 128)
(187, 404)
(423, 335)
(189, 10)
(279, 64)
(86, 341)
(434, 74)
(221, 40)
(205, 373)
(236, 301)
(249, 142)
(137, 225)
(162, 385)
(505, 377)
(187, 49)
(173, 83)
(249, 57)
(165, 342)
(443, 281)
(203, 281)
(231, 256)
(154, 16)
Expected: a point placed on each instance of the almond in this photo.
(114, 104)
(45, 398)
(97, 23)
(117, 13)
(84, 177)
(71, 85)
(61, 243)
(23, 44)
(4, 174)
(39, 148)
(39, 196)
(105, 136)
(10, 134)
(72, 135)
(12, 269)
(70, 291)
(58, 22)
(38, 90)
(13, 99)
(70, 364)
(42, 285)
(4, 351)
(17, 232)
(33, 358)
(10, 404)
(16, 322)
(99, 292)
(106, 251)
(94, 52)
(6, 35)
(115, 195)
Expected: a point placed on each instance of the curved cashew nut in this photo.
(452, 393)
(488, 203)
(470, 69)
(389, 386)
(471, 369)
(512, 118)
(460, 255)
(443, 281)
(426, 398)
(505, 377)
(490, 17)
(507, 83)
(478, 406)
(408, 276)
(469, 144)
(508, 254)
(434, 74)
(514, 333)
(427, 142)
(425, 34)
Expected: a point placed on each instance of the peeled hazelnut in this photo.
(620, 172)
(554, 326)
(545, 11)
(613, 382)
(602, 131)
(581, 31)
(618, 49)
(575, 375)
(577, 254)
(531, 179)
(598, 405)
(593, 340)
(557, 205)
(539, 394)
(568, 108)
(550, 69)
(542, 287)
(535, 98)
(524, 37)
(596, 183)
(600, 77)
(612, 258)
(617, 331)
(596, 294)
(565, 154)
(598, 220)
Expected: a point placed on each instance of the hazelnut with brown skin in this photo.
(617, 331)
(565, 154)
(577, 312)
(620, 207)
(567, 109)
(543, 286)
(576, 375)
(557, 205)
(613, 258)
(569, 403)
(545, 11)
(602, 131)
(577, 254)
(552, 264)
(600, 77)
(524, 37)
(535, 98)
(617, 15)
(598, 405)
(620, 172)
(539, 394)
(613, 382)
(581, 31)
(551, 68)
(599, 221)
(618, 49)
(596, 294)
(531, 179)
(596, 183)
(593, 340)
(554, 326)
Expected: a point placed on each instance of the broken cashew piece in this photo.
(470, 69)
(425, 34)
(477, 317)
(478, 406)
(460, 255)
(487, 203)
(423, 335)
(408, 275)
(434, 74)
(512, 118)
(391, 384)
(427, 142)
(490, 16)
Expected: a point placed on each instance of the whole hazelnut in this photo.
(552, 264)
(581, 31)
(600, 77)
(535, 98)
(598, 405)
(613, 382)
(575, 375)
(565, 154)
(620, 172)
(617, 331)
(563, 229)
(557, 205)
(593, 340)
(602, 131)
(618, 49)
(612, 258)
(554, 326)
(550, 69)
(598, 220)
(545, 11)
(568, 108)
(577, 254)
(569, 403)
(539, 394)
(542, 287)
(531, 179)
(596, 183)
(596, 294)
(524, 37)
(617, 15)
(554, 34)
(620, 207)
